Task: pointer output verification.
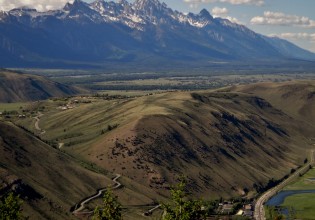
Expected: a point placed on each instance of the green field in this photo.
(11, 106)
(304, 182)
(303, 205)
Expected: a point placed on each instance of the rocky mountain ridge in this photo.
(101, 31)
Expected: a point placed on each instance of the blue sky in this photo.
(293, 20)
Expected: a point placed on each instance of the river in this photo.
(278, 199)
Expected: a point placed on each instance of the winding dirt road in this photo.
(37, 118)
(37, 127)
(81, 206)
(259, 213)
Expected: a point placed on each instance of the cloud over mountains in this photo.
(40, 5)
(194, 3)
(279, 18)
(223, 13)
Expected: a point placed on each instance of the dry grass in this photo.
(58, 178)
(223, 141)
(18, 87)
(296, 98)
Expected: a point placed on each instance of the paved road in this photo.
(81, 206)
(259, 213)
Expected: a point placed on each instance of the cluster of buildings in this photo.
(228, 208)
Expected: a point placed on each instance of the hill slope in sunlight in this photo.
(18, 87)
(224, 141)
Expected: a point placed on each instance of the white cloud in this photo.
(279, 18)
(40, 5)
(248, 2)
(232, 19)
(296, 36)
(223, 13)
(217, 12)
(195, 3)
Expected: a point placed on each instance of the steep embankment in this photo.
(296, 98)
(225, 142)
(49, 181)
(18, 87)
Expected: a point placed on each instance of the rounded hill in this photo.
(18, 87)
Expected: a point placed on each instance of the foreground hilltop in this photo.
(145, 32)
(49, 181)
(227, 142)
(52, 183)
(18, 87)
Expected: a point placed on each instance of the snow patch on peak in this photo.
(136, 19)
(198, 24)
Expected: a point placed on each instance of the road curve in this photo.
(37, 118)
(259, 213)
(99, 193)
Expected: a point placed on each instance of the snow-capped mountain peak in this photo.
(106, 30)
(152, 8)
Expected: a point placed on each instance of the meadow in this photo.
(305, 182)
(12, 106)
(301, 205)
(141, 82)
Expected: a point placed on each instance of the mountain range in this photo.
(146, 32)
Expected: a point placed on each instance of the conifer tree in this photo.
(10, 207)
(181, 208)
(110, 210)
